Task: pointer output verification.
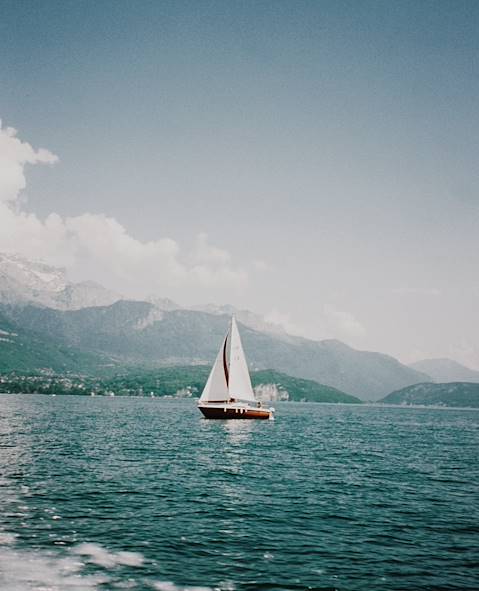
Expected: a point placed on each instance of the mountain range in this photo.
(139, 334)
(446, 370)
(47, 321)
(454, 394)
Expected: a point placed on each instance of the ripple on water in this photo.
(144, 494)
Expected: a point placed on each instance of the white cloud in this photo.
(422, 291)
(206, 254)
(329, 322)
(94, 246)
(260, 265)
(343, 322)
(14, 154)
(211, 266)
(283, 320)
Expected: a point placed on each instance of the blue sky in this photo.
(327, 149)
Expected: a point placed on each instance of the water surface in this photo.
(132, 493)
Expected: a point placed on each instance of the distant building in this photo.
(270, 393)
(184, 392)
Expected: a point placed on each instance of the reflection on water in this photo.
(239, 432)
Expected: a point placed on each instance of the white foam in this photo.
(169, 586)
(34, 571)
(96, 554)
(37, 570)
(29, 570)
(6, 538)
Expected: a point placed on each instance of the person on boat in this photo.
(231, 400)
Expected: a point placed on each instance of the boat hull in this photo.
(244, 413)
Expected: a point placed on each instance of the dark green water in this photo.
(145, 494)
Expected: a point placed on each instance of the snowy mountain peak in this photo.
(25, 281)
(32, 274)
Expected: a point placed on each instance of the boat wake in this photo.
(85, 567)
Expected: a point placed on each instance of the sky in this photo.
(316, 162)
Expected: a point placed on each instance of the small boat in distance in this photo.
(228, 393)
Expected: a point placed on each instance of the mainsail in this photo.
(229, 377)
(239, 380)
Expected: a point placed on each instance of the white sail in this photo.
(239, 383)
(216, 388)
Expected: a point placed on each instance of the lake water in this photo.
(129, 493)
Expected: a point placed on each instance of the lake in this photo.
(140, 493)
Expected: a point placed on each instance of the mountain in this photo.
(164, 304)
(455, 394)
(23, 281)
(446, 370)
(130, 333)
(24, 350)
(46, 321)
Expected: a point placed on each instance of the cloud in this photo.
(206, 254)
(260, 265)
(95, 246)
(283, 320)
(211, 266)
(14, 154)
(343, 322)
(422, 291)
(329, 322)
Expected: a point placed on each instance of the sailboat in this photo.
(228, 393)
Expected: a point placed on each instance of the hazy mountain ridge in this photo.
(125, 334)
(246, 317)
(446, 370)
(25, 281)
(452, 394)
(84, 327)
